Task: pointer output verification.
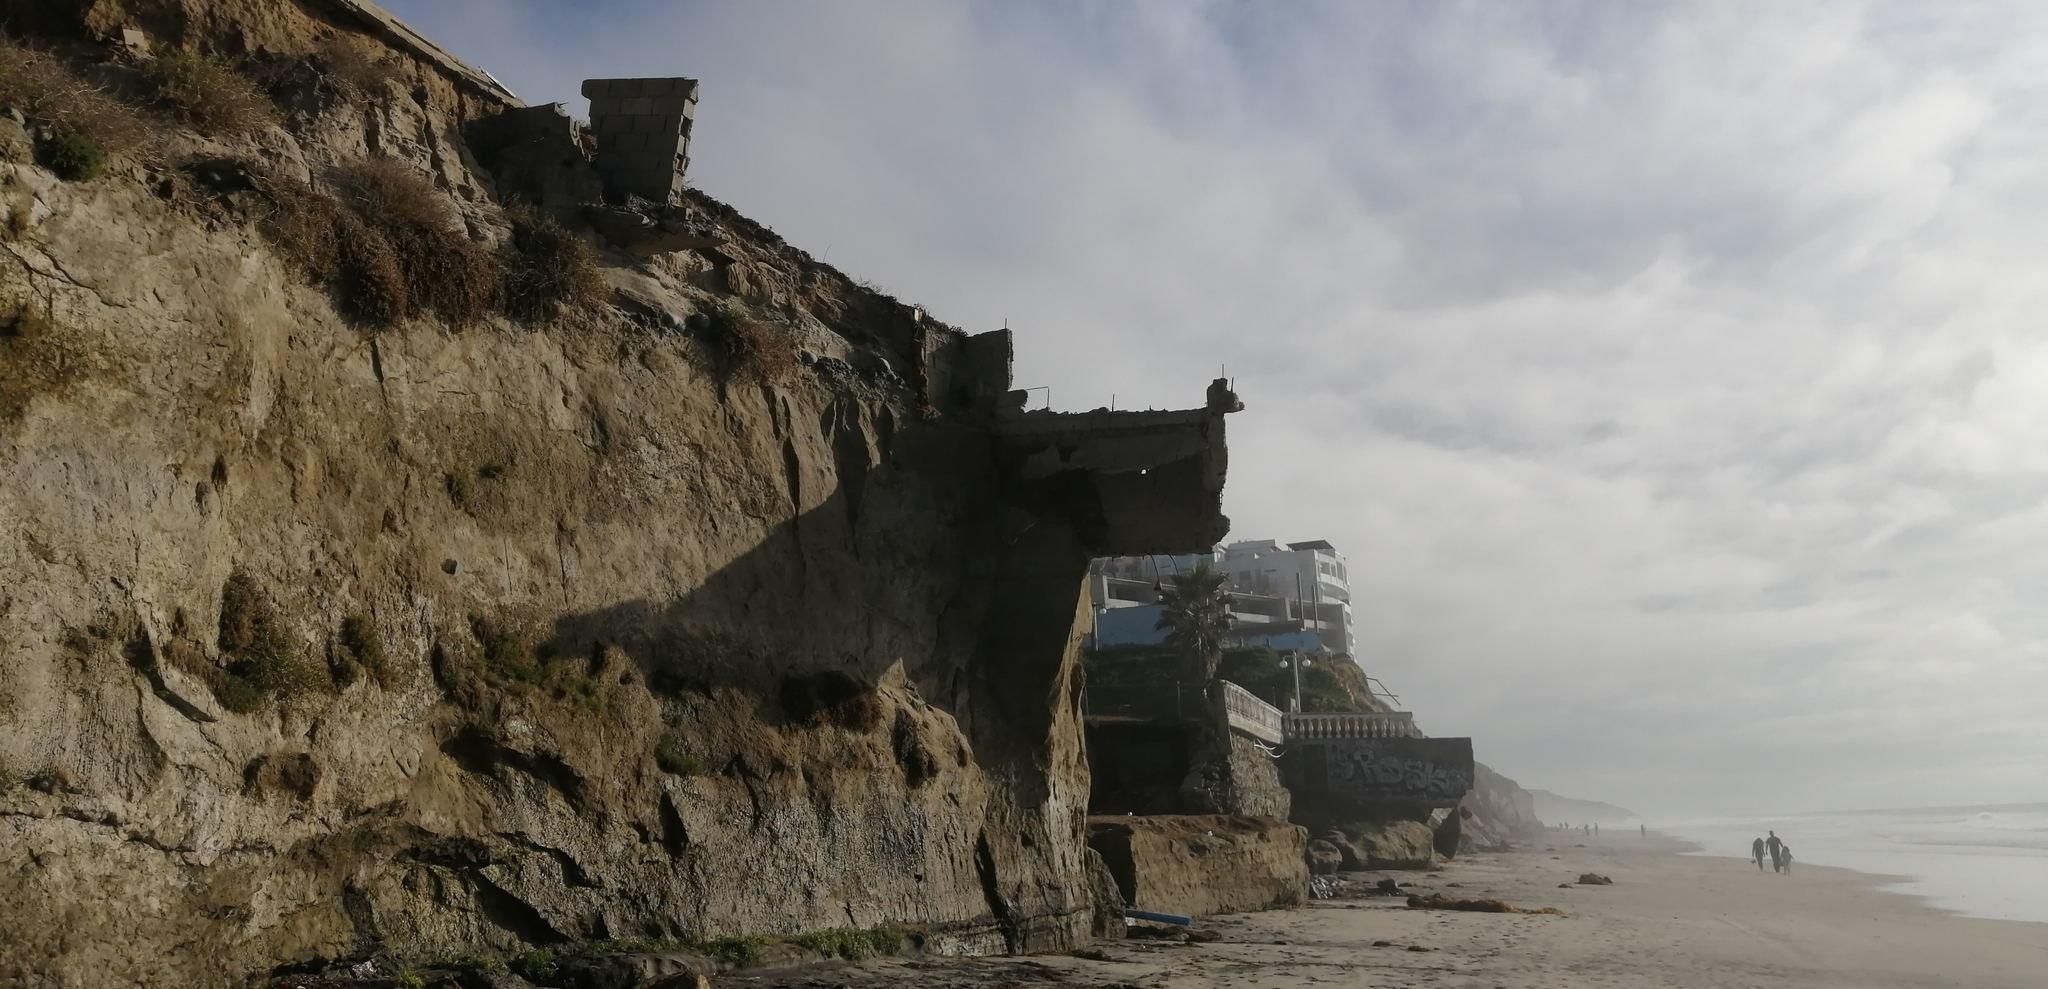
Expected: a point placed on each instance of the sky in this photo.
(1673, 376)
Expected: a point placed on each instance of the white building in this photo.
(1299, 586)
(1305, 582)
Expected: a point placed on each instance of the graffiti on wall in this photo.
(1435, 771)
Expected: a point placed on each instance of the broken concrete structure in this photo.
(1152, 478)
(643, 134)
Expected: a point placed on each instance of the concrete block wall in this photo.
(643, 133)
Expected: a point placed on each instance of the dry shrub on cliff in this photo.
(508, 662)
(365, 647)
(209, 94)
(445, 272)
(33, 358)
(333, 245)
(744, 347)
(262, 661)
(48, 92)
(394, 247)
(550, 268)
(391, 245)
(669, 755)
(350, 67)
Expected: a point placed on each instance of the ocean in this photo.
(1973, 861)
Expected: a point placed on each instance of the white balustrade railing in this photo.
(1246, 712)
(1249, 714)
(1352, 724)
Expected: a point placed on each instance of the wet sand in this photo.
(1668, 920)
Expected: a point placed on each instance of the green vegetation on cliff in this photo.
(1256, 669)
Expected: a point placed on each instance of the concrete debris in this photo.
(647, 229)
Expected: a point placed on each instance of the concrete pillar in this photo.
(643, 134)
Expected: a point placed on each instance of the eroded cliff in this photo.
(322, 643)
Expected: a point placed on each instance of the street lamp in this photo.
(1295, 663)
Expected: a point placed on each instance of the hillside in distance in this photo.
(1554, 809)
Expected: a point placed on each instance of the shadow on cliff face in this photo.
(913, 563)
(869, 717)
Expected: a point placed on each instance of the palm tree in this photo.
(1196, 618)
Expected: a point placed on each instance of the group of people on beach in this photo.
(1775, 847)
(1594, 829)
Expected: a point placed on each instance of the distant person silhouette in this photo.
(1645, 829)
(1756, 851)
(1785, 853)
(1777, 848)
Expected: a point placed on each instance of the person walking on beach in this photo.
(1756, 851)
(1785, 853)
(1777, 848)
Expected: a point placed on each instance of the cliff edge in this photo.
(370, 614)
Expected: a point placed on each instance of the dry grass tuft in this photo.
(444, 271)
(333, 245)
(348, 65)
(744, 347)
(33, 361)
(49, 93)
(549, 269)
(669, 755)
(365, 647)
(392, 245)
(262, 661)
(209, 94)
(302, 224)
(395, 248)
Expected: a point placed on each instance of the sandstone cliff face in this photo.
(587, 638)
(1496, 814)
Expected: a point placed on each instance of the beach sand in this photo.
(1668, 920)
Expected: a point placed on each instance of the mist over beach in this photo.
(971, 494)
(1973, 861)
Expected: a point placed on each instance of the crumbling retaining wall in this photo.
(1202, 864)
(1233, 775)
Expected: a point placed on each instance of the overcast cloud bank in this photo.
(1673, 376)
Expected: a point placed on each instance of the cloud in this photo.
(1672, 375)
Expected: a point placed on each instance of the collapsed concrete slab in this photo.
(1202, 864)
